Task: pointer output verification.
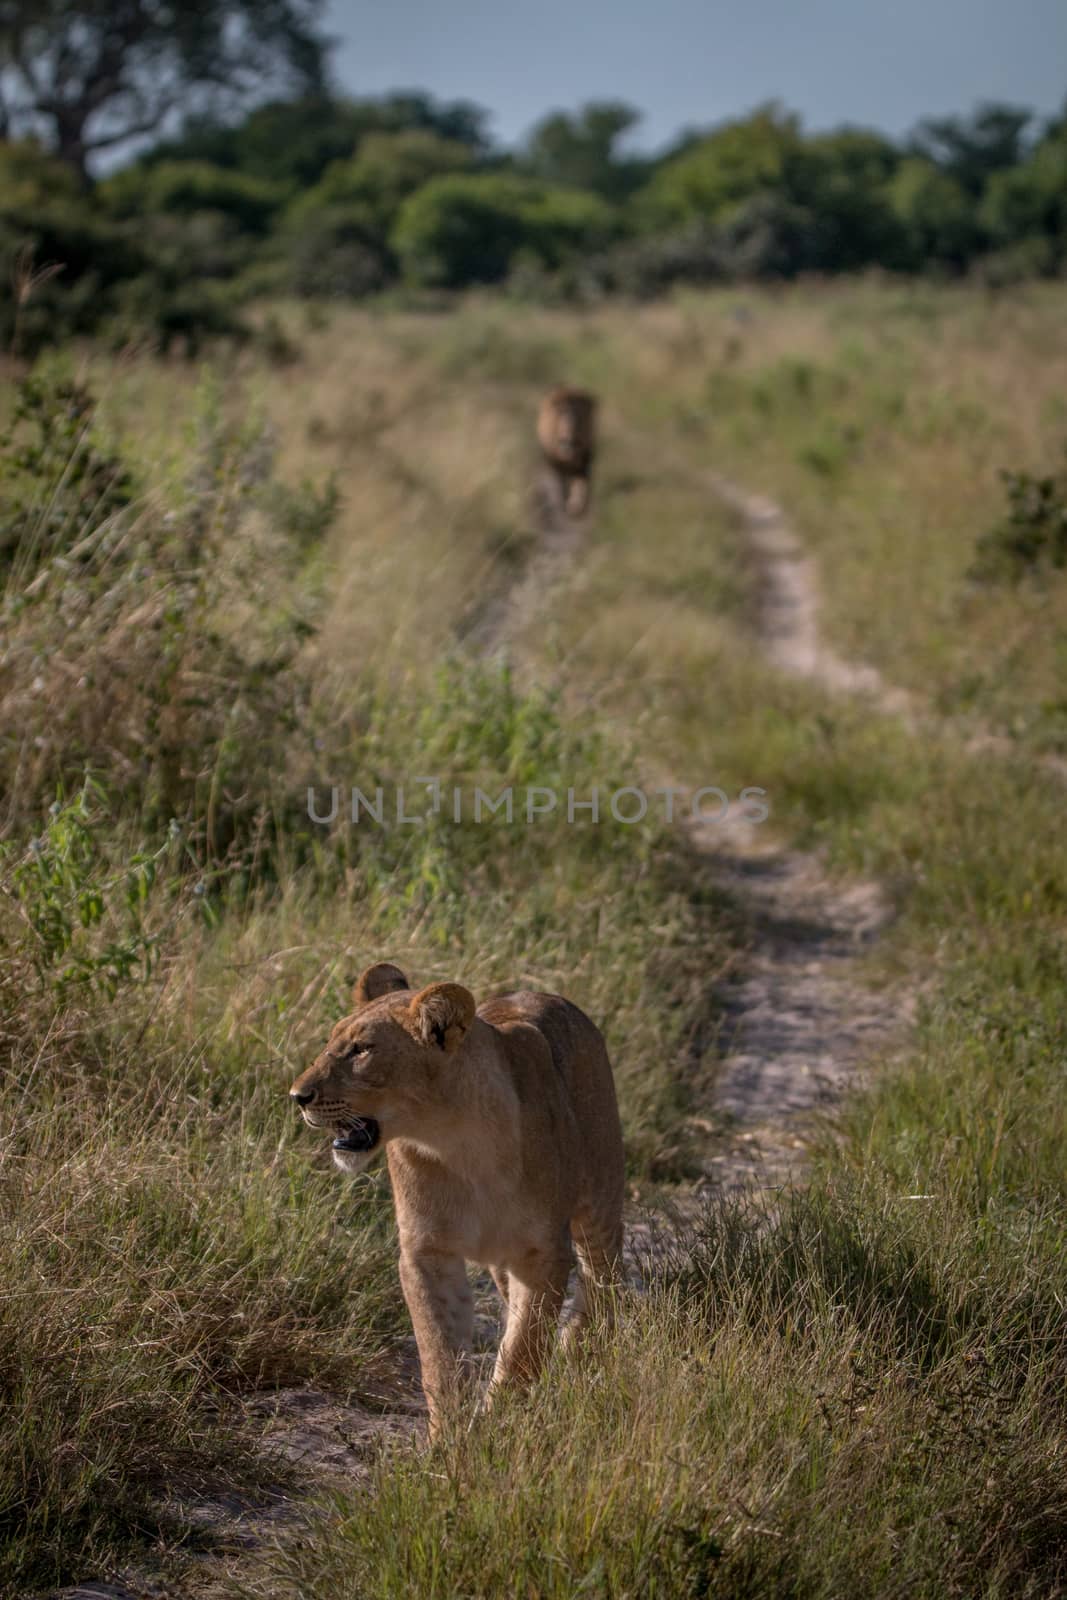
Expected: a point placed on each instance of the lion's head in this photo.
(377, 1079)
(567, 425)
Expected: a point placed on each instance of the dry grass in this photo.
(175, 941)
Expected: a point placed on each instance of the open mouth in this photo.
(359, 1136)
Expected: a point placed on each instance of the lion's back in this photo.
(580, 1059)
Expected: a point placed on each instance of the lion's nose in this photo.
(302, 1097)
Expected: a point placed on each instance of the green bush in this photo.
(80, 922)
(471, 229)
(781, 203)
(938, 220)
(1032, 537)
(63, 255)
(724, 169)
(1029, 203)
(57, 481)
(130, 661)
(185, 188)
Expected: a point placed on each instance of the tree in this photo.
(727, 167)
(336, 233)
(471, 228)
(294, 141)
(937, 215)
(971, 149)
(581, 152)
(840, 179)
(93, 74)
(1028, 204)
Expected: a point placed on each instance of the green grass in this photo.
(176, 943)
(807, 1409)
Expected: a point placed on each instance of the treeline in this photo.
(322, 196)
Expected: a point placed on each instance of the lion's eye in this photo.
(355, 1050)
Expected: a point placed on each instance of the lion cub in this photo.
(501, 1131)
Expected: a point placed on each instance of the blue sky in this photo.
(885, 63)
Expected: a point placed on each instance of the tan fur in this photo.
(566, 431)
(502, 1136)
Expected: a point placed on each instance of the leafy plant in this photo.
(56, 479)
(306, 514)
(81, 919)
(1033, 535)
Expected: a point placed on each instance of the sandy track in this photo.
(789, 613)
(803, 1018)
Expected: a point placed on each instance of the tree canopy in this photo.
(581, 150)
(94, 74)
(319, 195)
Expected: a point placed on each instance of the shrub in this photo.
(470, 229)
(334, 254)
(937, 218)
(80, 921)
(71, 255)
(1033, 535)
(144, 658)
(185, 188)
(57, 481)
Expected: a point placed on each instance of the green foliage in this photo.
(972, 150)
(1032, 538)
(336, 234)
(57, 481)
(581, 151)
(464, 229)
(326, 197)
(293, 142)
(306, 514)
(779, 203)
(81, 263)
(715, 175)
(184, 189)
(1029, 202)
(380, 176)
(938, 221)
(82, 921)
(63, 255)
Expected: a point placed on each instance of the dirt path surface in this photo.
(789, 614)
(803, 1018)
(492, 628)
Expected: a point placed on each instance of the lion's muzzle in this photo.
(360, 1137)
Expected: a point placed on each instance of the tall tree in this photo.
(581, 150)
(971, 149)
(93, 74)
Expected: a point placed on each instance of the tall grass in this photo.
(177, 934)
(810, 1407)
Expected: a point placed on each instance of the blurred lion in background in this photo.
(566, 432)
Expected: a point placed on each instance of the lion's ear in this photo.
(441, 1014)
(382, 978)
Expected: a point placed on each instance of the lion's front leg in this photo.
(534, 1303)
(441, 1306)
(577, 500)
